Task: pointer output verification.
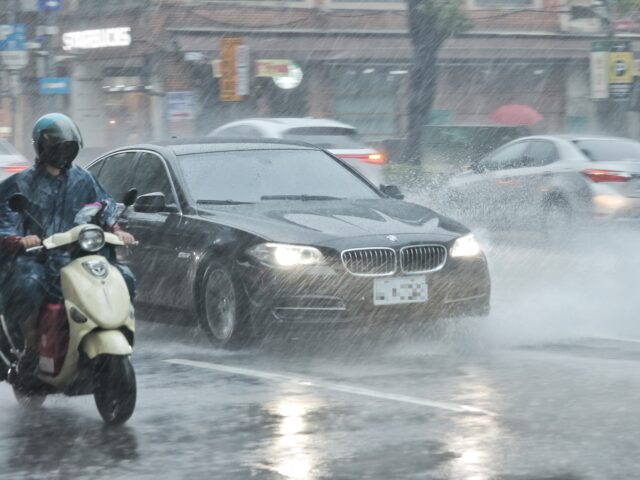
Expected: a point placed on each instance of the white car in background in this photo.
(11, 161)
(338, 138)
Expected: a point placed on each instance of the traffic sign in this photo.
(13, 37)
(14, 60)
(54, 85)
(49, 5)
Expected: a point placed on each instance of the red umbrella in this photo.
(515, 115)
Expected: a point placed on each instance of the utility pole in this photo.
(14, 81)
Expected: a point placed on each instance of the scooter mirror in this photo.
(18, 202)
(130, 197)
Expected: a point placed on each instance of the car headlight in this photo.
(466, 246)
(91, 239)
(283, 255)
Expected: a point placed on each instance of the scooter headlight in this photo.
(91, 239)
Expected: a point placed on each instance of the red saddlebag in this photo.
(54, 338)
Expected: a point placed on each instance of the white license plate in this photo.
(396, 290)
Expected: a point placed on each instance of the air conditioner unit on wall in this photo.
(582, 16)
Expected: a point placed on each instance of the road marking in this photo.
(336, 387)
(617, 339)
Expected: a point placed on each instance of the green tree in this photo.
(431, 22)
(624, 7)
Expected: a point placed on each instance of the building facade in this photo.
(144, 69)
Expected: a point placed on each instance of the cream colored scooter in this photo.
(86, 340)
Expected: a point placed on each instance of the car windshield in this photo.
(326, 137)
(609, 150)
(251, 176)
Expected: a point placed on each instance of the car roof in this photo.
(570, 137)
(287, 123)
(187, 146)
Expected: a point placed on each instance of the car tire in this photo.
(223, 312)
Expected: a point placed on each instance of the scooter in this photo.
(86, 338)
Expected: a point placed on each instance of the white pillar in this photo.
(88, 105)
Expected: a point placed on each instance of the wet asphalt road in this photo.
(548, 387)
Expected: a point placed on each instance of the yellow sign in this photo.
(228, 70)
(621, 67)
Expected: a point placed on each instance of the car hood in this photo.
(329, 222)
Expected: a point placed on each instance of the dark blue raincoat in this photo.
(54, 203)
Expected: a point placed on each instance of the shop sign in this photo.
(620, 70)
(599, 75)
(273, 68)
(100, 38)
(54, 85)
(180, 105)
(228, 70)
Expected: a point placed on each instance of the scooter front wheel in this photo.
(114, 383)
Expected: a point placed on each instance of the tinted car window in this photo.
(247, 176)
(541, 152)
(150, 175)
(609, 150)
(325, 137)
(510, 156)
(114, 173)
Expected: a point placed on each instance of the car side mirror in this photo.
(392, 191)
(149, 203)
(18, 202)
(130, 197)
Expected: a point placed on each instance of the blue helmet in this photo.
(56, 140)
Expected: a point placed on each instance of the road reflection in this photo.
(292, 449)
(50, 439)
(475, 438)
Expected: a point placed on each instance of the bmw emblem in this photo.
(392, 238)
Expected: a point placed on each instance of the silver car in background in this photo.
(11, 161)
(338, 138)
(549, 181)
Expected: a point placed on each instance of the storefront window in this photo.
(367, 98)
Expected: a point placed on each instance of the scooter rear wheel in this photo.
(114, 388)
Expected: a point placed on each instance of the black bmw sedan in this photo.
(246, 235)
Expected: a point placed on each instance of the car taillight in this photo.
(10, 169)
(599, 176)
(377, 158)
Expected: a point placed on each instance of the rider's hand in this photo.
(30, 241)
(125, 237)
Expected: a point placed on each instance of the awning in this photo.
(393, 47)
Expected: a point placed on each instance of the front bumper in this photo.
(330, 295)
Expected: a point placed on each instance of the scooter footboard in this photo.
(106, 342)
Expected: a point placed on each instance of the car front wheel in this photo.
(223, 314)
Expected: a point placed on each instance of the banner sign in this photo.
(181, 105)
(620, 70)
(228, 69)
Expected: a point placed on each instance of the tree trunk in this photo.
(425, 40)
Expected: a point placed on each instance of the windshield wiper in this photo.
(222, 202)
(304, 198)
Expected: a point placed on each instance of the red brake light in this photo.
(14, 168)
(376, 158)
(599, 176)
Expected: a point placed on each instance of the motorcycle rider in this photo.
(57, 190)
